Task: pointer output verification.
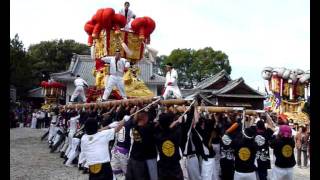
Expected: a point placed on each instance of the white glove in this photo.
(238, 108)
(114, 124)
(226, 140)
(126, 118)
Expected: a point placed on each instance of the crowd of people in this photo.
(26, 117)
(23, 115)
(154, 142)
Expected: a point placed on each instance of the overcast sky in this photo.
(253, 33)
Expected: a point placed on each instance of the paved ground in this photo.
(298, 173)
(30, 159)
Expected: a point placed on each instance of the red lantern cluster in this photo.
(46, 84)
(52, 88)
(144, 26)
(105, 18)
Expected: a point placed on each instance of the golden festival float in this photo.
(106, 33)
(288, 91)
(52, 92)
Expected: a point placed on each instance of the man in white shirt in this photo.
(73, 123)
(79, 91)
(171, 85)
(118, 66)
(128, 14)
(95, 148)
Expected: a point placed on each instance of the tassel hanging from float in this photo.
(275, 83)
(272, 84)
(281, 87)
(309, 90)
(291, 91)
(306, 92)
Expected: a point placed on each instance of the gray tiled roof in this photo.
(223, 92)
(209, 81)
(83, 65)
(234, 83)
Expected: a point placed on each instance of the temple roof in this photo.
(213, 79)
(84, 65)
(231, 88)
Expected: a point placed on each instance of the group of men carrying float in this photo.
(155, 142)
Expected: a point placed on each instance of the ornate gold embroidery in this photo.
(244, 153)
(115, 43)
(134, 44)
(95, 169)
(100, 45)
(286, 151)
(168, 148)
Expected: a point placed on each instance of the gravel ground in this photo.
(30, 159)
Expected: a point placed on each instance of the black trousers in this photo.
(104, 174)
(262, 173)
(137, 170)
(169, 171)
(227, 169)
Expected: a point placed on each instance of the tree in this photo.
(194, 66)
(27, 67)
(54, 56)
(20, 67)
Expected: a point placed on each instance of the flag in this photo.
(278, 100)
(267, 103)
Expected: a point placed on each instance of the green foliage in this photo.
(20, 66)
(194, 66)
(27, 67)
(54, 56)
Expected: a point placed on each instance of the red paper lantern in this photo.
(139, 25)
(90, 40)
(144, 26)
(44, 84)
(96, 31)
(88, 27)
(98, 16)
(96, 20)
(150, 28)
(118, 21)
(151, 25)
(106, 18)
